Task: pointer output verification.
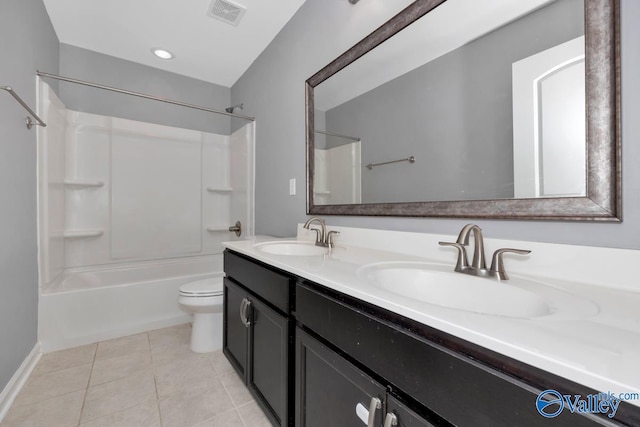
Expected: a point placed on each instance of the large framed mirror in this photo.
(504, 109)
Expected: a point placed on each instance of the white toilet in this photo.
(204, 299)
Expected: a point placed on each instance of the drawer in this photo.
(457, 388)
(272, 286)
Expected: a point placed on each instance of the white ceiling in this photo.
(205, 48)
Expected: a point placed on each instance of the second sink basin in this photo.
(291, 247)
(438, 285)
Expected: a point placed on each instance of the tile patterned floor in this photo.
(146, 380)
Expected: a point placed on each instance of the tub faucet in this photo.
(478, 266)
(323, 238)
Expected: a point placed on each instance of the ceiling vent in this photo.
(227, 11)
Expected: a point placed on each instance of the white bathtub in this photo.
(90, 305)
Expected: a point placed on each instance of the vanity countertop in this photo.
(600, 350)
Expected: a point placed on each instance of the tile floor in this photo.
(146, 380)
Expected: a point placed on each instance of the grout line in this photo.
(235, 405)
(219, 416)
(228, 394)
(262, 414)
(240, 380)
(153, 368)
(155, 380)
(86, 390)
(241, 418)
(159, 413)
(213, 366)
(39, 402)
(246, 404)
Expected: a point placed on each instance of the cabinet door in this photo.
(236, 333)
(269, 360)
(400, 416)
(330, 391)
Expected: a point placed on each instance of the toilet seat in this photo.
(210, 287)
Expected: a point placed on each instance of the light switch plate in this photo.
(292, 187)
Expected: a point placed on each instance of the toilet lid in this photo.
(202, 288)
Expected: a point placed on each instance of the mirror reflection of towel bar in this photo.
(411, 159)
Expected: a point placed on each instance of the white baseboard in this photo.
(15, 384)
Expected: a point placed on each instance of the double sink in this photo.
(431, 284)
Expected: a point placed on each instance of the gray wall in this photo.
(453, 114)
(27, 42)
(95, 67)
(273, 91)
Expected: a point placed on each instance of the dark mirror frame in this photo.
(603, 200)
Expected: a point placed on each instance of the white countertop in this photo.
(600, 350)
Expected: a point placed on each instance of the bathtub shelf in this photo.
(79, 184)
(217, 228)
(219, 189)
(75, 234)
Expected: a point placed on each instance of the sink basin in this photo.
(439, 285)
(291, 247)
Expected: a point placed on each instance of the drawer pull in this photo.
(391, 420)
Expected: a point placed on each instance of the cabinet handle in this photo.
(362, 413)
(368, 416)
(244, 312)
(373, 406)
(242, 303)
(390, 420)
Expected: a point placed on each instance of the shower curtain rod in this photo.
(28, 121)
(352, 138)
(142, 95)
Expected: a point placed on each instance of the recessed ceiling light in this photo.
(162, 53)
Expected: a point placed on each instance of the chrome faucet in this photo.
(478, 262)
(323, 238)
(478, 266)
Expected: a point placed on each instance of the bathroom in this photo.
(272, 90)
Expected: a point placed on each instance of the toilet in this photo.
(204, 299)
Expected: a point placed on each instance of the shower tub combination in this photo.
(90, 305)
(128, 212)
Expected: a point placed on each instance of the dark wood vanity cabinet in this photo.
(314, 357)
(422, 366)
(258, 330)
